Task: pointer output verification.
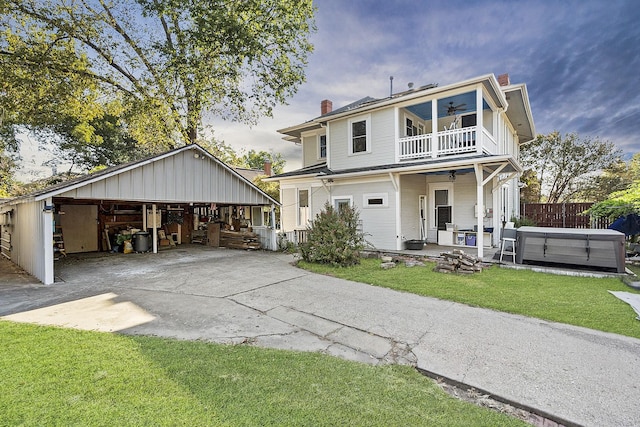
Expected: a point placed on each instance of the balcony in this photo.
(450, 142)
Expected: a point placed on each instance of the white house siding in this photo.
(177, 178)
(382, 140)
(411, 187)
(310, 149)
(465, 201)
(288, 199)
(32, 240)
(318, 198)
(377, 222)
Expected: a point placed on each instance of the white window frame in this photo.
(335, 199)
(320, 156)
(368, 196)
(367, 119)
(299, 223)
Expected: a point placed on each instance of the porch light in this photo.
(452, 176)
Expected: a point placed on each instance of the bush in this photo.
(523, 222)
(333, 238)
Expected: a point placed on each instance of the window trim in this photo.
(369, 196)
(320, 156)
(299, 223)
(334, 199)
(367, 119)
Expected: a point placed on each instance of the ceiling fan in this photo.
(452, 109)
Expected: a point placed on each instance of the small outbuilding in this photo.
(185, 195)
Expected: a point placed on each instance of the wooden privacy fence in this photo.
(561, 215)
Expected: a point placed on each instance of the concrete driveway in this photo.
(573, 374)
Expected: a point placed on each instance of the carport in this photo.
(171, 195)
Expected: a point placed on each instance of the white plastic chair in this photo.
(509, 236)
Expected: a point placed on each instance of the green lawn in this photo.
(64, 377)
(574, 300)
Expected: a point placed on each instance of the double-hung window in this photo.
(359, 135)
(323, 146)
(303, 207)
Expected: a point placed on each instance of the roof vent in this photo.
(410, 85)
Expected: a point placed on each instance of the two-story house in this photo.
(431, 163)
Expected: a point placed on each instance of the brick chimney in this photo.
(503, 80)
(326, 106)
(267, 168)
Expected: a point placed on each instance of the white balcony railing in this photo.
(457, 141)
(452, 141)
(415, 147)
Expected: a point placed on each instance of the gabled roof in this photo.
(99, 183)
(491, 85)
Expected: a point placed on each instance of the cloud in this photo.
(579, 59)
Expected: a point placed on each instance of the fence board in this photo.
(561, 215)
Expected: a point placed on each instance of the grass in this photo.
(63, 377)
(576, 301)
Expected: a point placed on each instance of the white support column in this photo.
(47, 238)
(154, 226)
(144, 217)
(434, 128)
(479, 117)
(480, 203)
(396, 133)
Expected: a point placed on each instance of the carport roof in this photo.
(217, 169)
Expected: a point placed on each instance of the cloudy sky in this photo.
(580, 60)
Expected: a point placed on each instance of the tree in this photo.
(560, 162)
(618, 177)
(169, 61)
(256, 160)
(618, 204)
(334, 238)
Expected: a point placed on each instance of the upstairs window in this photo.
(469, 120)
(359, 136)
(409, 128)
(323, 146)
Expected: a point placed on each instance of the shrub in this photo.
(522, 222)
(333, 237)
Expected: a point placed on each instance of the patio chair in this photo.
(508, 238)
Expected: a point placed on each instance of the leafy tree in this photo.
(618, 177)
(256, 159)
(168, 61)
(618, 204)
(561, 161)
(530, 192)
(334, 238)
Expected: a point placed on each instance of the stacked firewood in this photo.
(458, 262)
(239, 239)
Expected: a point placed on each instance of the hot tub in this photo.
(583, 247)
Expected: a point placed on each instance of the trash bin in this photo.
(141, 241)
(471, 239)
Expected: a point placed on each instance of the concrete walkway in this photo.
(578, 375)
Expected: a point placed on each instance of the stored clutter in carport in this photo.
(181, 196)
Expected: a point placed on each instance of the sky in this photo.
(579, 59)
